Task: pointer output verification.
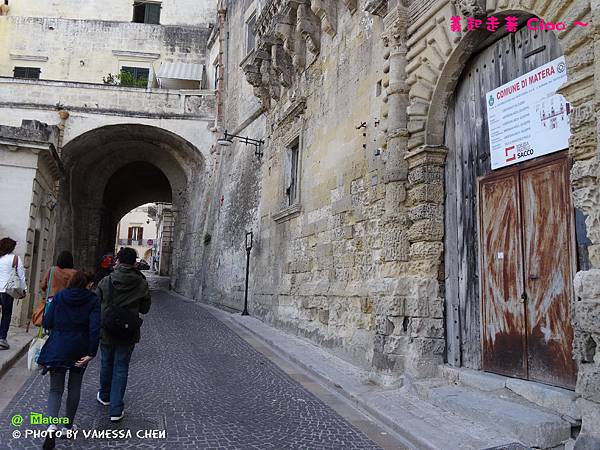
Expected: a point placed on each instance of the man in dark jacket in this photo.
(127, 288)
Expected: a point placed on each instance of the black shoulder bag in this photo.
(119, 322)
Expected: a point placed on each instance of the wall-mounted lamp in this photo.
(227, 140)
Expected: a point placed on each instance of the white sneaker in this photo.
(117, 418)
(102, 402)
(65, 432)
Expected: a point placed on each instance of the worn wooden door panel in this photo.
(501, 287)
(548, 250)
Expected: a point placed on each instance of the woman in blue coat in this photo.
(73, 319)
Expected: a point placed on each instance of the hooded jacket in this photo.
(130, 291)
(74, 320)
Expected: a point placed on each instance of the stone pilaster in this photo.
(426, 212)
(396, 95)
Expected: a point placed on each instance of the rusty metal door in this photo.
(503, 310)
(548, 251)
(526, 271)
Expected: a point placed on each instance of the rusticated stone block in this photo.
(379, 343)
(397, 345)
(424, 356)
(383, 325)
(588, 381)
(426, 193)
(436, 307)
(396, 245)
(389, 306)
(426, 230)
(388, 362)
(426, 211)
(395, 194)
(416, 307)
(366, 305)
(426, 327)
(587, 284)
(431, 250)
(587, 315)
(324, 316)
(426, 174)
(590, 418)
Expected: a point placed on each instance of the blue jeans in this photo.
(6, 302)
(113, 375)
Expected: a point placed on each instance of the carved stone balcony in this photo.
(288, 32)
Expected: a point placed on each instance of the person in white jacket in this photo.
(7, 247)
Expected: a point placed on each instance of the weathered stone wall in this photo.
(334, 267)
(173, 12)
(88, 50)
(232, 207)
(356, 263)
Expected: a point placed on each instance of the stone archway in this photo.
(112, 169)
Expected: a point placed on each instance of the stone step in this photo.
(554, 399)
(530, 424)
(429, 427)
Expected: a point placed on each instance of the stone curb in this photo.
(6, 365)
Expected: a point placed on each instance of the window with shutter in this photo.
(138, 76)
(144, 12)
(32, 73)
(152, 13)
(292, 189)
(250, 38)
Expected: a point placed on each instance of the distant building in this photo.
(138, 230)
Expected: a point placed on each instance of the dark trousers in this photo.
(113, 375)
(57, 387)
(6, 302)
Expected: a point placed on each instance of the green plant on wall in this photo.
(125, 78)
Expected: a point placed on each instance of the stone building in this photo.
(138, 229)
(395, 223)
(383, 229)
(30, 168)
(124, 88)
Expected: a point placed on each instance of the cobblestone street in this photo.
(196, 379)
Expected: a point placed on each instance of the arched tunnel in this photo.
(111, 170)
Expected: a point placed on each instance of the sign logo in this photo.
(491, 100)
(511, 150)
(39, 419)
(561, 67)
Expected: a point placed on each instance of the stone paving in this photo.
(206, 387)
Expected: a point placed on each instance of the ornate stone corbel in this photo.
(351, 5)
(470, 8)
(325, 10)
(377, 7)
(282, 65)
(285, 30)
(308, 25)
